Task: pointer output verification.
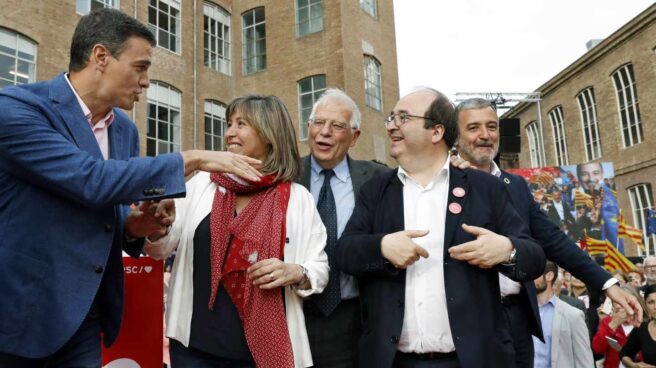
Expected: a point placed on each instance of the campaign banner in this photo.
(580, 199)
(139, 343)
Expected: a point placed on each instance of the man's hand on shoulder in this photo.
(486, 251)
(399, 249)
(460, 162)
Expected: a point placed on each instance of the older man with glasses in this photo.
(649, 269)
(334, 179)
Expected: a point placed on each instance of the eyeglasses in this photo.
(402, 118)
(336, 126)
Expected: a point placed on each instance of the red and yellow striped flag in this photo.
(544, 178)
(582, 199)
(595, 246)
(629, 232)
(616, 261)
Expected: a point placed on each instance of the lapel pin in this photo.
(455, 208)
(506, 180)
(458, 192)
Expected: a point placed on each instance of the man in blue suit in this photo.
(69, 168)
(478, 143)
(415, 243)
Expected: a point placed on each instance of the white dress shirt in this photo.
(426, 321)
(559, 208)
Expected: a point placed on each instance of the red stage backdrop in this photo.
(139, 344)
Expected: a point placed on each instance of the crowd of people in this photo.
(282, 260)
(574, 203)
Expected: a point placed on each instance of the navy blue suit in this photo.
(479, 330)
(62, 210)
(557, 246)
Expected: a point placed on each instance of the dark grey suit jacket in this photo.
(360, 170)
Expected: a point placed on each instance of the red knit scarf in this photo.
(258, 233)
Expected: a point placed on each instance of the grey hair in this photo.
(341, 96)
(651, 259)
(474, 104)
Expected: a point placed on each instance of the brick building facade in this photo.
(212, 51)
(606, 101)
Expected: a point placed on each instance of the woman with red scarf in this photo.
(247, 252)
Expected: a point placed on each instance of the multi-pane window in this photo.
(163, 132)
(627, 105)
(216, 38)
(87, 6)
(641, 200)
(164, 22)
(560, 142)
(215, 125)
(253, 40)
(309, 17)
(17, 58)
(373, 95)
(588, 109)
(535, 144)
(309, 91)
(369, 6)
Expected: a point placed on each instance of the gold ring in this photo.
(271, 276)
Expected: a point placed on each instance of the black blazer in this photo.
(555, 217)
(557, 246)
(478, 326)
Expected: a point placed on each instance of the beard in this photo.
(542, 286)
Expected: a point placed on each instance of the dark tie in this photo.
(331, 296)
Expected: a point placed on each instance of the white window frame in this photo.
(304, 111)
(83, 7)
(172, 18)
(305, 9)
(536, 148)
(215, 111)
(370, 7)
(640, 196)
(627, 105)
(373, 83)
(589, 124)
(168, 97)
(218, 19)
(250, 53)
(20, 45)
(560, 138)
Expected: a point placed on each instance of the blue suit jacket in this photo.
(478, 327)
(62, 209)
(557, 246)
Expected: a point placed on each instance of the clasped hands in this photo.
(272, 273)
(150, 219)
(486, 251)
